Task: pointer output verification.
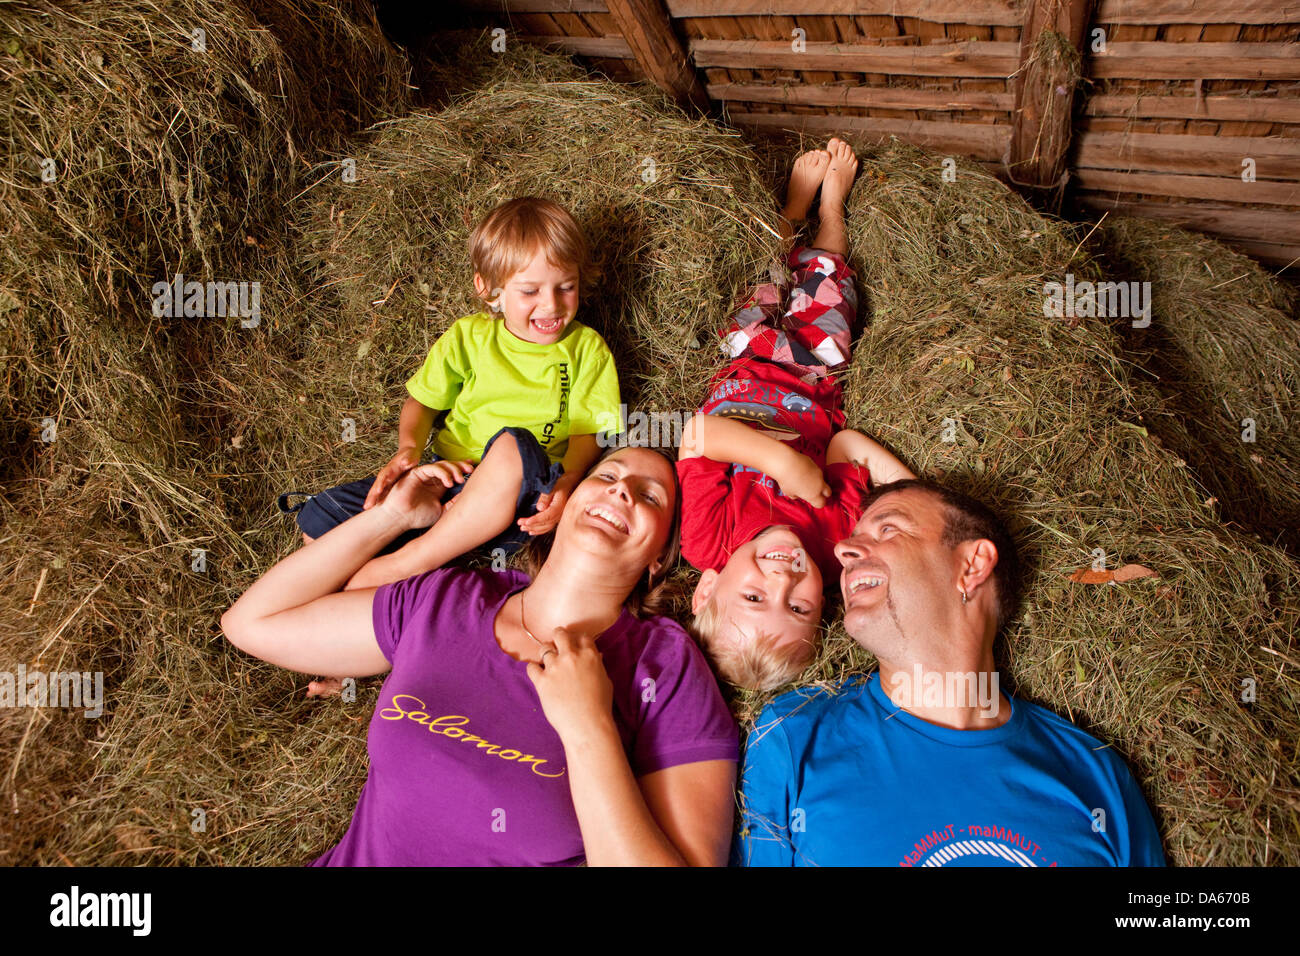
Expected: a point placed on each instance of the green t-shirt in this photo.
(490, 379)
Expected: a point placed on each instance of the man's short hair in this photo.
(966, 519)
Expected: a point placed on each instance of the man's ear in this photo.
(703, 590)
(979, 558)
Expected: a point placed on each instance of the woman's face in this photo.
(623, 508)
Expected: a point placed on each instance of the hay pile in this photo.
(1052, 429)
(177, 434)
(1222, 348)
(165, 159)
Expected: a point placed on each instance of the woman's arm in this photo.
(680, 816)
(293, 618)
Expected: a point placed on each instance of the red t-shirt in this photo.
(726, 505)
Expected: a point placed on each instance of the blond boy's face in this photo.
(770, 586)
(538, 302)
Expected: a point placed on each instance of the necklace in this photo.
(521, 621)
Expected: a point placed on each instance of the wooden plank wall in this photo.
(1182, 94)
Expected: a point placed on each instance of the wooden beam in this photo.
(1196, 61)
(1285, 257)
(610, 48)
(533, 6)
(1044, 86)
(1004, 13)
(861, 97)
(1276, 158)
(979, 140)
(648, 31)
(1260, 225)
(969, 58)
(1265, 109)
(1215, 188)
(1266, 12)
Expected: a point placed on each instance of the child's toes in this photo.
(325, 687)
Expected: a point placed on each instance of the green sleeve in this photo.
(440, 378)
(594, 405)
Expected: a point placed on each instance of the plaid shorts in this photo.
(805, 325)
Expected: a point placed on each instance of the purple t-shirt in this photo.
(464, 767)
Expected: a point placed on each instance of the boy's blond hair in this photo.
(512, 233)
(760, 664)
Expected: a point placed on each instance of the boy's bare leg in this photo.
(484, 509)
(836, 185)
(805, 178)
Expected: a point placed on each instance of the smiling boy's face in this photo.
(769, 586)
(539, 301)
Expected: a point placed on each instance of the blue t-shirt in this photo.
(850, 779)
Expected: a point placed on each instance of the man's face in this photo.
(899, 578)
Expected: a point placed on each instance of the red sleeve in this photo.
(706, 520)
(849, 486)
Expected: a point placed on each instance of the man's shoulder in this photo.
(1065, 736)
(804, 707)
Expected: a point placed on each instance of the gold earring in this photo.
(964, 596)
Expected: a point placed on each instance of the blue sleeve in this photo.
(1141, 845)
(765, 796)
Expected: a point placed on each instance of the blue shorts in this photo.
(331, 507)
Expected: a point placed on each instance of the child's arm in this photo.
(725, 439)
(856, 448)
(413, 434)
(582, 453)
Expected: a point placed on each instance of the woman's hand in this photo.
(416, 498)
(576, 694)
(803, 479)
(405, 459)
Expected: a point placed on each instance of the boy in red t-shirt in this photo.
(770, 479)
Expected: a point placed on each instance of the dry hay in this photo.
(1049, 420)
(1222, 348)
(1051, 429)
(166, 159)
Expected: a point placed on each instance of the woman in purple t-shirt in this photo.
(521, 722)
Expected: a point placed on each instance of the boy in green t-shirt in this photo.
(530, 379)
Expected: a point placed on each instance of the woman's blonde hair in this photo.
(652, 594)
(512, 233)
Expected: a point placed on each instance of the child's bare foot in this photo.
(805, 179)
(325, 687)
(839, 176)
(831, 233)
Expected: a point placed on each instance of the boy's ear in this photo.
(703, 590)
(480, 286)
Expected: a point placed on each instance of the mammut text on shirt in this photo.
(848, 778)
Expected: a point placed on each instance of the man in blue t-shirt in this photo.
(927, 762)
